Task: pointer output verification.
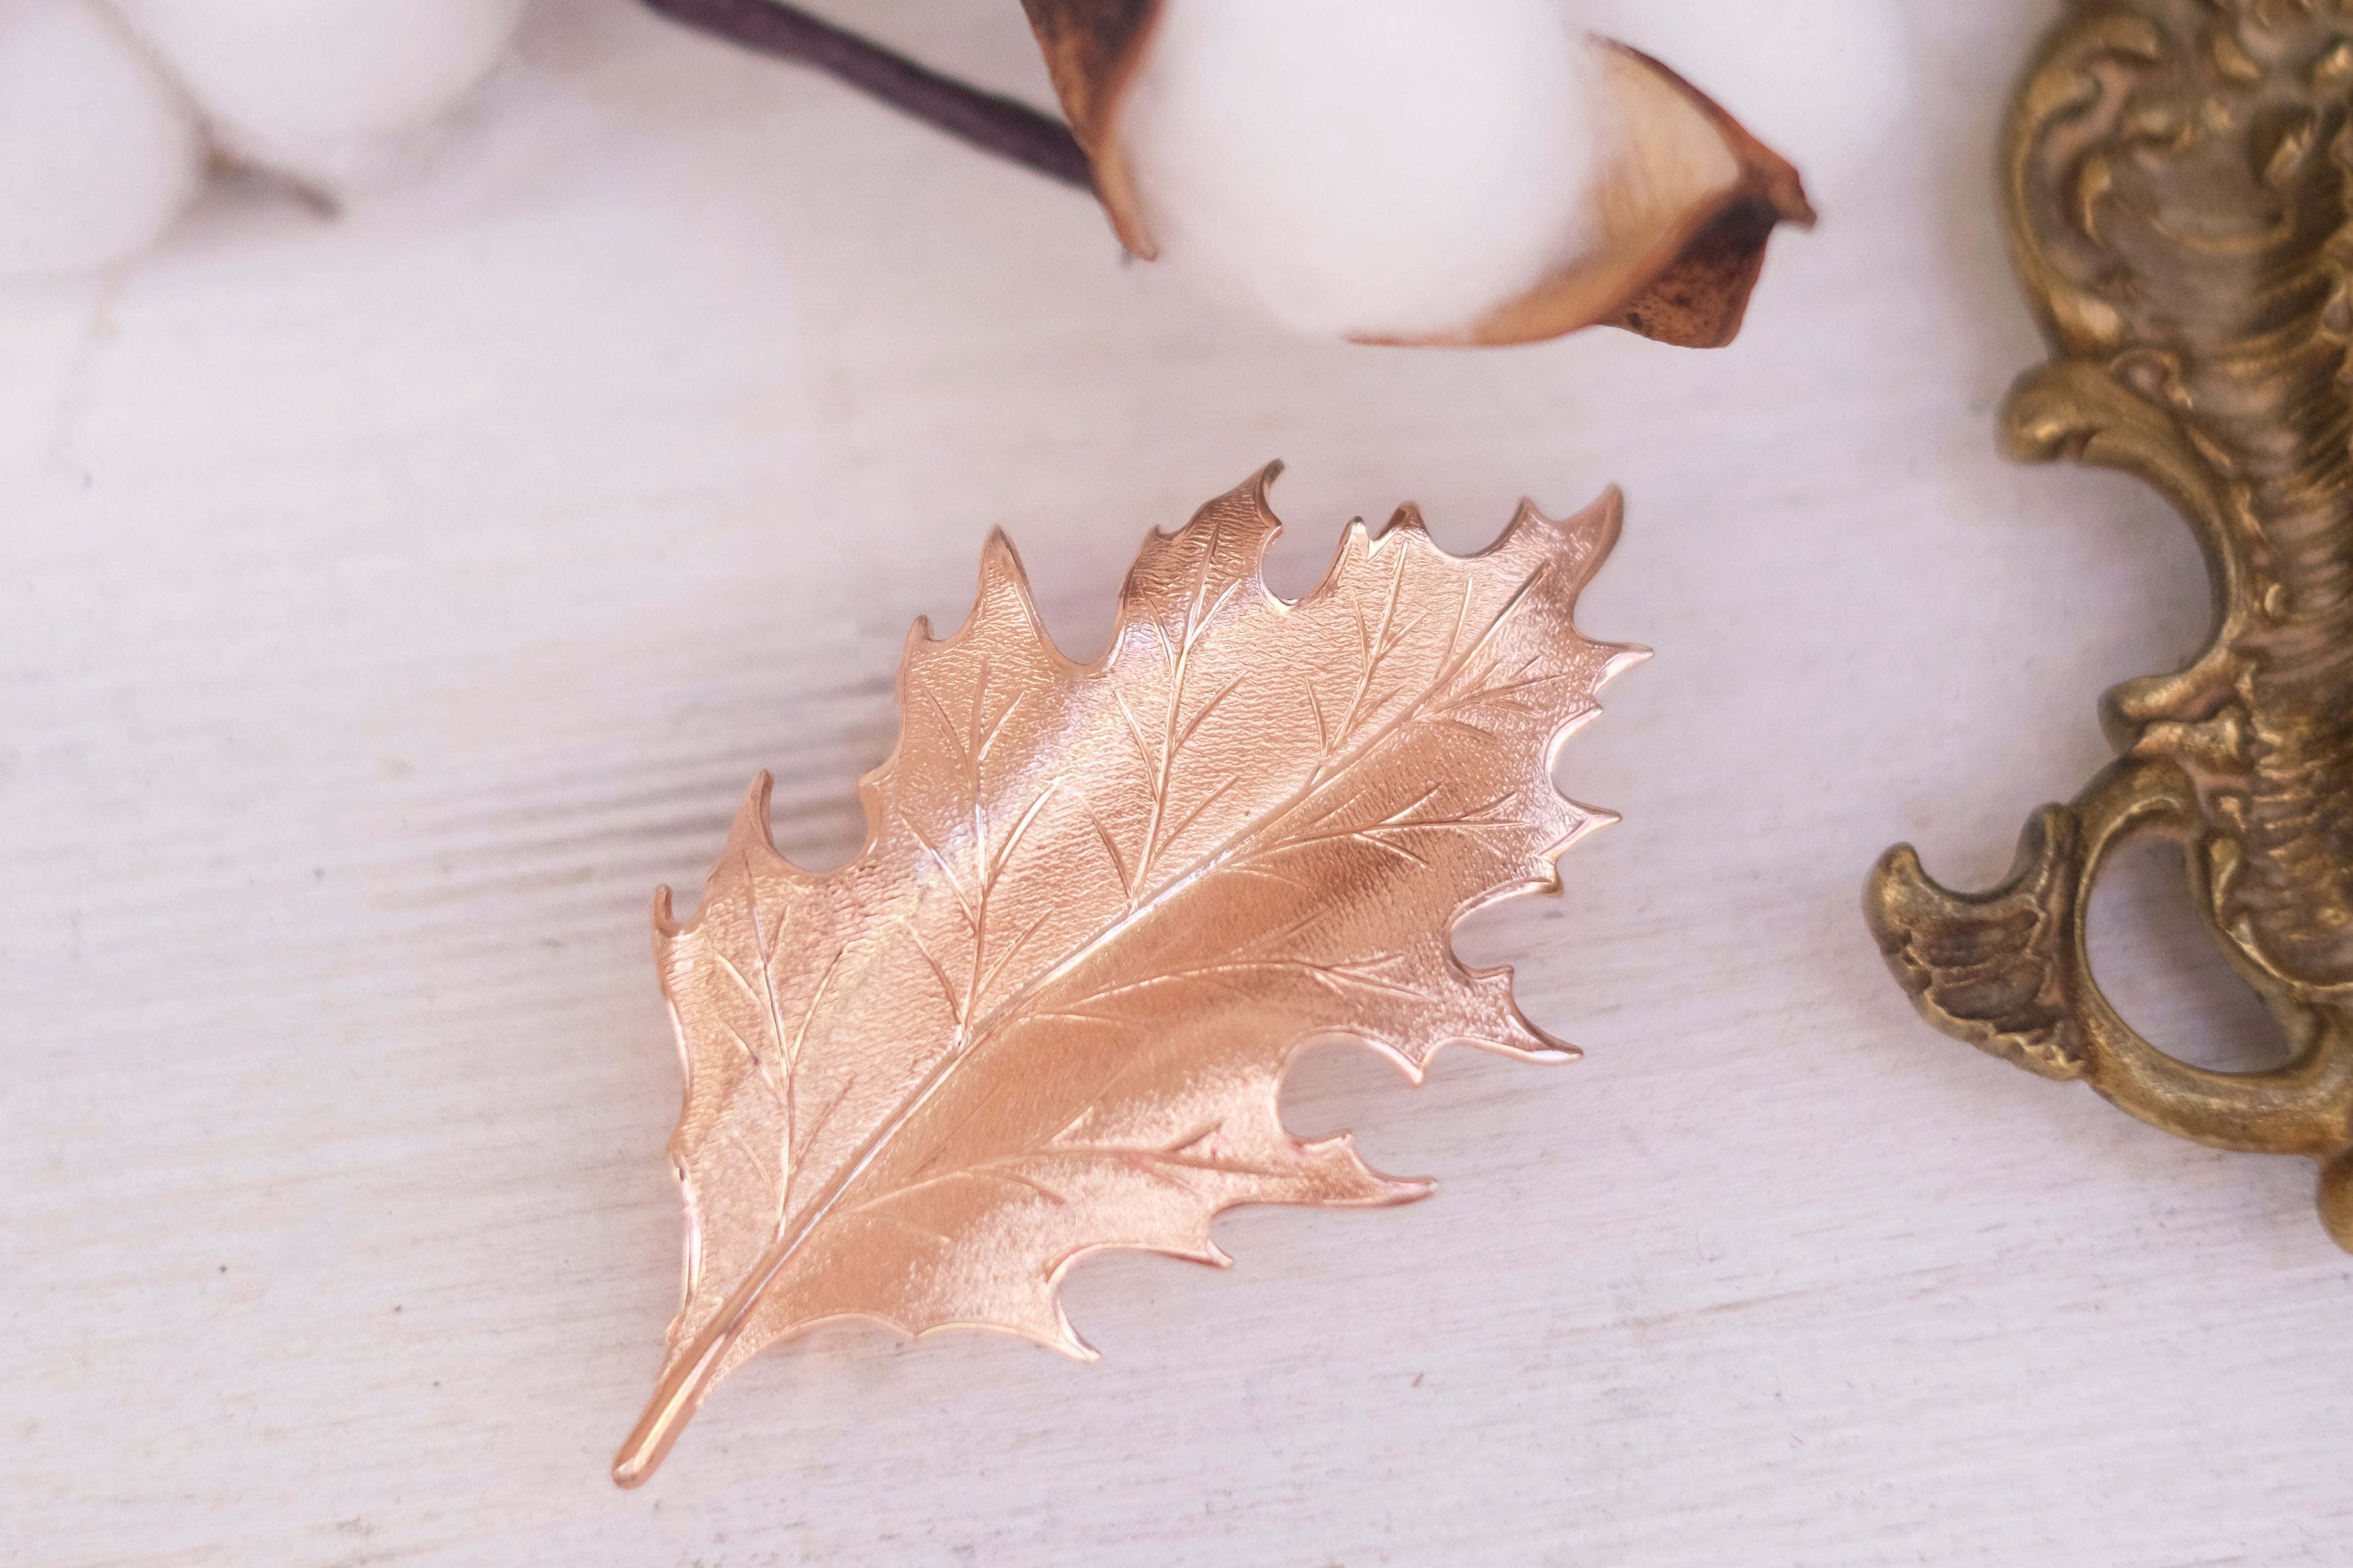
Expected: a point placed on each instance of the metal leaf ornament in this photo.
(1046, 1010)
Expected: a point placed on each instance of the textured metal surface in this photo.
(2179, 181)
(1047, 1009)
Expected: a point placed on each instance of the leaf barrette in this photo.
(1046, 1010)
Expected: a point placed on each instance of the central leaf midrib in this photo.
(863, 1160)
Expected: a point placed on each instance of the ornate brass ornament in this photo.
(2179, 176)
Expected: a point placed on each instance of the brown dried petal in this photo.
(1687, 199)
(1092, 48)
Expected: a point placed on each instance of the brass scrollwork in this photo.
(2178, 178)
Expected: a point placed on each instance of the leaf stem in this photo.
(1005, 126)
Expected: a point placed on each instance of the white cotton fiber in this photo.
(1368, 167)
(318, 86)
(1819, 81)
(97, 154)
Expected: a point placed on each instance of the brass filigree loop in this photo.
(2179, 176)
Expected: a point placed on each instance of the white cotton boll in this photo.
(320, 87)
(1820, 81)
(97, 154)
(1364, 167)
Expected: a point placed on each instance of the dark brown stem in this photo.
(1005, 126)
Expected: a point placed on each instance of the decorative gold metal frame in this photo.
(2178, 178)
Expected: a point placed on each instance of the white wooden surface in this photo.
(387, 604)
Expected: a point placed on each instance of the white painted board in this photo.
(387, 604)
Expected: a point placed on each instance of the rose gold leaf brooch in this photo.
(1046, 1011)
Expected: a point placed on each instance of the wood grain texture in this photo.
(386, 605)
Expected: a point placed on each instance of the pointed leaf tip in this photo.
(1597, 528)
(1407, 518)
(1001, 572)
(752, 815)
(1621, 658)
(1591, 820)
(1260, 485)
